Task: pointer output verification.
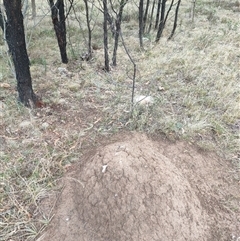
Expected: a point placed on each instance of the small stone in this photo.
(45, 125)
(5, 85)
(25, 124)
(62, 101)
(143, 100)
(62, 70)
(74, 87)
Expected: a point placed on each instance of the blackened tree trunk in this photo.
(118, 30)
(169, 10)
(140, 20)
(105, 35)
(151, 16)
(58, 20)
(1, 20)
(158, 13)
(145, 15)
(89, 55)
(175, 20)
(17, 46)
(162, 22)
(34, 12)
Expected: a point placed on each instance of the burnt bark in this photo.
(162, 22)
(145, 15)
(34, 12)
(151, 16)
(158, 14)
(118, 30)
(89, 55)
(15, 38)
(2, 20)
(105, 35)
(175, 20)
(140, 20)
(58, 20)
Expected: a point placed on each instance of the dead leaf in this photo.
(161, 88)
(5, 85)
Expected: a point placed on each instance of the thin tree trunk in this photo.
(134, 72)
(161, 24)
(169, 9)
(34, 12)
(118, 30)
(140, 16)
(17, 46)
(192, 14)
(158, 14)
(89, 31)
(105, 35)
(175, 20)
(2, 20)
(151, 17)
(58, 20)
(24, 7)
(145, 16)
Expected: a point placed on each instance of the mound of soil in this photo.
(139, 189)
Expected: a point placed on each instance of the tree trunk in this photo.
(118, 30)
(58, 20)
(17, 46)
(145, 15)
(140, 19)
(89, 55)
(175, 20)
(34, 12)
(2, 20)
(162, 22)
(105, 35)
(158, 14)
(151, 16)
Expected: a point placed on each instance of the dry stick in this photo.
(79, 23)
(81, 28)
(134, 70)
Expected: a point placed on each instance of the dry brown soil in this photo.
(142, 189)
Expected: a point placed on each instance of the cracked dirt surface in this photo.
(140, 189)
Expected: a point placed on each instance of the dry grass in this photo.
(193, 78)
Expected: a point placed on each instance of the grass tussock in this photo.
(194, 80)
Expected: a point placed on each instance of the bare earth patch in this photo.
(140, 189)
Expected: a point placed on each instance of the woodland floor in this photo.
(87, 167)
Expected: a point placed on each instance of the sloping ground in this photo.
(140, 189)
